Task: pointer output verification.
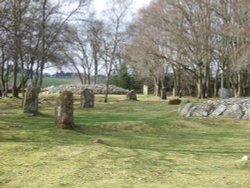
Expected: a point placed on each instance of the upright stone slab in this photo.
(87, 98)
(30, 104)
(131, 95)
(225, 93)
(145, 90)
(64, 111)
(164, 93)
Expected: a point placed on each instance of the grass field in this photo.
(49, 81)
(146, 145)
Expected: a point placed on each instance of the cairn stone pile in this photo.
(77, 89)
(232, 107)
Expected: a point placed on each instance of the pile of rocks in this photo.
(77, 89)
(233, 107)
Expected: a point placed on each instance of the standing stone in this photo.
(131, 95)
(31, 99)
(225, 93)
(164, 93)
(64, 110)
(87, 98)
(145, 90)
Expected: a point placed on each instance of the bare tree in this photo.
(114, 36)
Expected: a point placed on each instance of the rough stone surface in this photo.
(234, 111)
(164, 93)
(131, 95)
(225, 93)
(31, 99)
(183, 103)
(87, 98)
(233, 107)
(187, 109)
(64, 111)
(77, 89)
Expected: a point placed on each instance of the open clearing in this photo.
(146, 144)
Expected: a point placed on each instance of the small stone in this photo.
(131, 95)
(99, 141)
(245, 158)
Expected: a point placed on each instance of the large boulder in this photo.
(219, 110)
(234, 111)
(187, 109)
(202, 110)
(182, 104)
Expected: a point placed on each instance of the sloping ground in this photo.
(77, 89)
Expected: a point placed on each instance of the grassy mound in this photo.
(145, 144)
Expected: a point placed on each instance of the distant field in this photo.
(48, 81)
(146, 145)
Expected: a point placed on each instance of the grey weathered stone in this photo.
(64, 110)
(183, 103)
(164, 93)
(87, 98)
(233, 107)
(219, 110)
(187, 109)
(225, 93)
(202, 110)
(246, 114)
(234, 111)
(31, 99)
(131, 95)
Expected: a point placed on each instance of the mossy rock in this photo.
(64, 110)
(174, 102)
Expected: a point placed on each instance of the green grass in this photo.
(49, 81)
(147, 145)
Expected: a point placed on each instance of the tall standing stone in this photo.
(131, 95)
(30, 104)
(145, 90)
(64, 111)
(225, 93)
(164, 93)
(87, 98)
